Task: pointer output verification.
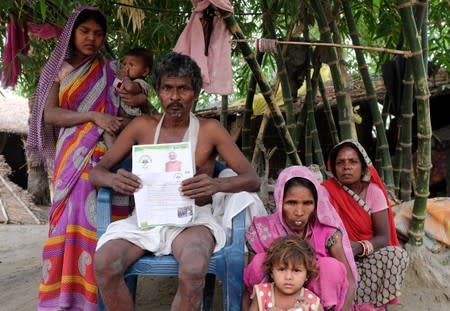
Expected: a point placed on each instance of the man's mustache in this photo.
(175, 105)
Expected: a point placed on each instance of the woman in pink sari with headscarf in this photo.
(303, 208)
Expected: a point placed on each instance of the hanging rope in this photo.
(269, 45)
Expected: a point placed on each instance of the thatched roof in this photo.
(14, 112)
(440, 84)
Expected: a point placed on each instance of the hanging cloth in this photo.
(16, 43)
(208, 41)
(45, 31)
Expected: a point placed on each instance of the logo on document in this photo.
(145, 161)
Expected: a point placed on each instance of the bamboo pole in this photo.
(406, 133)
(340, 56)
(422, 97)
(308, 138)
(345, 111)
(407, 175)
(382, 143)
(312, 127)
(403, 173)
(281, 72)
(422, 16)
(328, 111)
(257, 154)
(379, 164)
(338, 45)
(248, 112)
(266, 91)
(398, 161)
(311, 91)
(309, 160)
(265, 121)
(224, 111)
(301, 125)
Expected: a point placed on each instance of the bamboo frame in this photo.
(405, 54)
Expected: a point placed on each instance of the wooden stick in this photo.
(5, 215)
(20, 201)
(406, 54)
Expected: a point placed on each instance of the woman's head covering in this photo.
(369, 175)
(324, 211)
(366, 174)
(41, 138)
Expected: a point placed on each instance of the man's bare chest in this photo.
(204, 152)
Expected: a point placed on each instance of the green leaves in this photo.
(43, 10)
(377, 20)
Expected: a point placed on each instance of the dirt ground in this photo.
(427, 285)
(20, 260)
(20, 251)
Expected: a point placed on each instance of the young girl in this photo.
(290, 262)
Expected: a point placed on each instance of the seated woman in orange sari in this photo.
(358, 195)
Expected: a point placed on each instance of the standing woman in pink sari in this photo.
(303, 209)
(75, 105)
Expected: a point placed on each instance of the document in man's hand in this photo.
(162, 168)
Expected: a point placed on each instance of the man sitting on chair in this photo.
(177, 81)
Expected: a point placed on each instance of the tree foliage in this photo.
(156, 24)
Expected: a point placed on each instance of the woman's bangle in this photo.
(369, 247)
(364, 249)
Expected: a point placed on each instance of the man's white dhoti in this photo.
(158, 240)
